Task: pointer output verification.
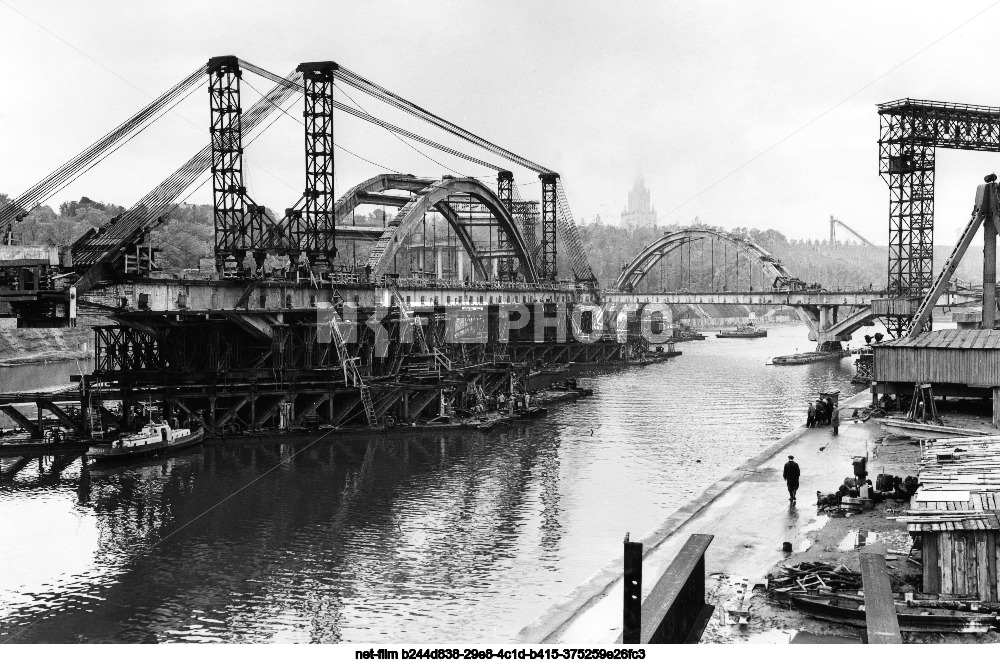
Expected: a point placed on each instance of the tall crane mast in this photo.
(833, 231)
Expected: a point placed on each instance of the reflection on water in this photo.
(429, 537)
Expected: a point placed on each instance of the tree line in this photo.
(187, 235)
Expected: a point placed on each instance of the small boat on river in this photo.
(809, 357)
(685, 333)
(748, 330)
(153, 439)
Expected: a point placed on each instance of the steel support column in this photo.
(989, 273)
(232, 227)
(505, 191)
(317, 233)
(549, 214)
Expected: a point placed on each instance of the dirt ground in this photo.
(832, 541)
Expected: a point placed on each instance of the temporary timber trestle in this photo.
(222, 372)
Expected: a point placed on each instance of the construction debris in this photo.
(811, 576)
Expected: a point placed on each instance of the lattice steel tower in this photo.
(315, 229)
(505, 192)
(911, 130)
(549, 212)
(238, 221)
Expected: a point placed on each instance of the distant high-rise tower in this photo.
(639, 213)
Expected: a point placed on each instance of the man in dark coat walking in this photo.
(791, 477)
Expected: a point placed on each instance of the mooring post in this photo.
(632, 604)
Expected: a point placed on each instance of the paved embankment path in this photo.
(747, 511)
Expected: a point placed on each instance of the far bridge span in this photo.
(832, 316)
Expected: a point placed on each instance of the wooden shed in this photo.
(955, 514)
(946, 356)
(957, 362)
(960, 556)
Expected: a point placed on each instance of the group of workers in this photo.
(519, 402)
(822, 413)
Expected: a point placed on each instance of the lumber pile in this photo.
(812, 576)
(967, 464)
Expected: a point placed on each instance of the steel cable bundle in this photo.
(142, 217)
(18, 207)
(297, 84)
(567, 225)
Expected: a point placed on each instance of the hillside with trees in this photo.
(187, 236)
(837, 266)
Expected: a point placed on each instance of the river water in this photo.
(459, 537)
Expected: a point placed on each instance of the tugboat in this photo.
(749, 330)
(153, 439)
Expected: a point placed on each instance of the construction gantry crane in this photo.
(833, 231)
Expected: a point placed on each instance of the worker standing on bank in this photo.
(791, 477)
(835, 419)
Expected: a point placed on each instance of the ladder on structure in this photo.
(94, 423)
(480, 395)
(441, 360)
(411, 319)
(985, 205)
(922, 406)
(352, 375)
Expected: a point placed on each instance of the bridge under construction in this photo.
(290, 329)
(307, 319)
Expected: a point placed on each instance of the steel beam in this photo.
(389, 200)
(61, 415)
(27, 424)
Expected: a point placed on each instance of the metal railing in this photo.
(924, 103)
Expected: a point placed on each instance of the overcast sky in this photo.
(782, 93)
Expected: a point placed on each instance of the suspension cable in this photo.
(21, 205)
(145, 214)
(264, 73)
(381, 93)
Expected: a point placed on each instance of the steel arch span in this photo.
(450, 197)
(636, 270)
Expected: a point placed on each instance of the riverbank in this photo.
(748, 513)
(426, 537)
(40, 346)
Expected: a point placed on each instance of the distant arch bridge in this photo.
(830, 315)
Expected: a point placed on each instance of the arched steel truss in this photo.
(636, 270)
(445, 196)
